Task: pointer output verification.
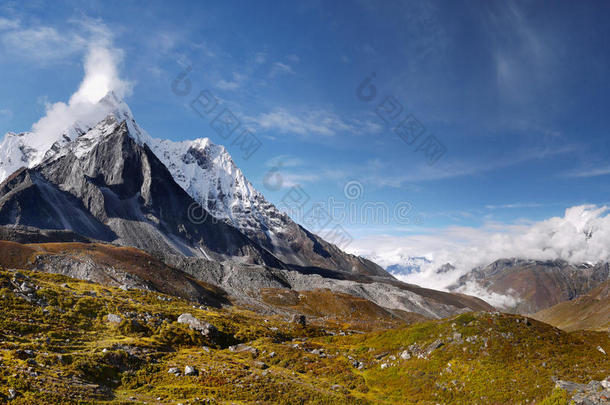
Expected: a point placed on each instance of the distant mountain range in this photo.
(535, 284)
(555, 291)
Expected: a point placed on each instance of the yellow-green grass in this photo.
(80, 357)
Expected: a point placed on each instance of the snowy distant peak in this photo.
(401, 264)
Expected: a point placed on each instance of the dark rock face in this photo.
(25, 234)
(115, 190)
(538, 284)
(28, 199)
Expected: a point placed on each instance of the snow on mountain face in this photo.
(14, 153)
(27, 149)
(208, 174)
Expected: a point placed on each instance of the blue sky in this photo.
(517, 93)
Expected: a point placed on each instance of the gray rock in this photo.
(299, 319)
(241, 348)
(261, 365)
(174, 370)
(26, 287)
(585, 394)
(113, 318)
(433, 346)
(188, 370)
(206, 329)
(12, 394)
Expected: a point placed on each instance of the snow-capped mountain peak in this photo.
(27, 149)
(204, 170)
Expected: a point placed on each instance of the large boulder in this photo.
(206, 329)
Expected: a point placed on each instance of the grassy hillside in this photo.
(57, 345)
(590, 311)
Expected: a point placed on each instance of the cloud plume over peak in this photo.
(101, 67)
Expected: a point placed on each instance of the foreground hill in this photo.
(590, 311)
(69, 341)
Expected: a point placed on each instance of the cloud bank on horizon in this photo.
(582, 235)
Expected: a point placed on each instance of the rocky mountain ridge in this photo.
(536, 284)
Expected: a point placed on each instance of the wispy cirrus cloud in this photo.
(292, 171)
(591, 172)
(8, 24)
(312, 122)
(513, 206)
(234, 84)
(279, 69)
(46, 44)
(41, 44)
(284, 161)
(381, 173)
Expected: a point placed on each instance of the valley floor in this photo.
(70, 341)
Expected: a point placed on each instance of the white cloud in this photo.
(297, 179)
(514, 205)
(48, 44)
(101, 77)
(581, 235)
(280, 68)
(312, 122)
(8, 24)
(260, 58)
(593, 172)
(281, 161)
(5, 113)
(41, 44)
(383, 173)
(236, 83)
